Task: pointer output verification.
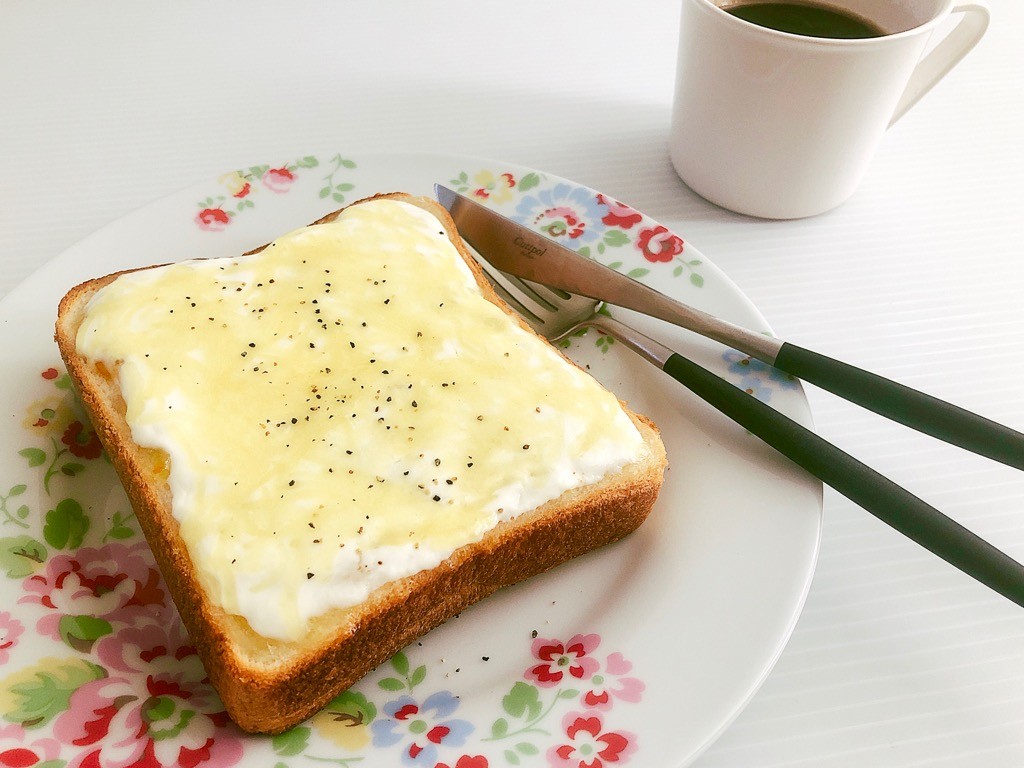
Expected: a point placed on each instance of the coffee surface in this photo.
(805, 19)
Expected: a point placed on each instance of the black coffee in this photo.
(805, 19)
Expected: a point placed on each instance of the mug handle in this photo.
(933, 67)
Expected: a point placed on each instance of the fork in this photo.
(556, 314)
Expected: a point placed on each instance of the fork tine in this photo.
(556, 294)
(549, 311)
(545, 295)
(512, 300)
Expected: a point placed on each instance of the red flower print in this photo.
(213, 219)
(278, 180)
(82, 442)
(619, 214)
(19, 757)
(658, 244)
(589, 745)
(19, 750)
(406, 711)
(558, 659)
(467, 761)
(154, 707)
(50, 374)
(116, 583)
(244, 191)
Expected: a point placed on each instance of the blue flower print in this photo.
(422, 728)
(757, 377)
(566, 213)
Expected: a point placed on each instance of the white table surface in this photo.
(897, 660)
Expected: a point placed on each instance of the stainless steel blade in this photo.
(519, 251)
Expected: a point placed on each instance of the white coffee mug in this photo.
(783, 126)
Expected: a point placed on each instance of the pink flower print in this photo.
(212, 219)
(611, 684)
(658, 244)
(589, 745)
(152, 649)
(558, 659)
(563, 212)
(619, 214)
(278, 180)
(10, 630)
(564, 222)
(17, 750)
(155, 708)
(116, 582)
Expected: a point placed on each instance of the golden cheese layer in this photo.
(342, 409)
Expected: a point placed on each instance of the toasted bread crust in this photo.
(268, 685)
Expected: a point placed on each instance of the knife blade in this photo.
(517, 250)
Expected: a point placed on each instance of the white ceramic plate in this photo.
(639, 654)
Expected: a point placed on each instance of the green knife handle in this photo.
(907, 406)
(877, 494)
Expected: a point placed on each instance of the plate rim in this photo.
(366, 160)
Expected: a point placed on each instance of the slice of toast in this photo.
(270, 683)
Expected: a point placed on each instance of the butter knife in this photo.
(520, 251)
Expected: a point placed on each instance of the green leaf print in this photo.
(66, 525)
(529, 181)
(119, 530)
(523, 701)
(46, 692)
(418, 675)
(80, 632)
(21, 513)
(291, 742)
(615, 237)
(352, 708)
(35, 456)
(392, 684)
(401, 663)
(20, 556)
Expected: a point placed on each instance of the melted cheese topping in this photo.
(343, 409)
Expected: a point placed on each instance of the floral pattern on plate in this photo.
(107, 676)
(239, 187)
(589, 222)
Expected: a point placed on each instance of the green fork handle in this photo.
(883, 498)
